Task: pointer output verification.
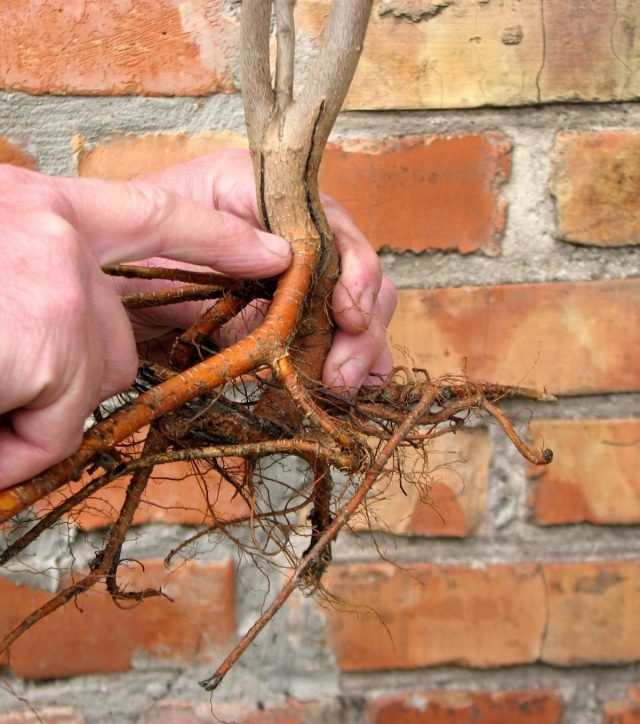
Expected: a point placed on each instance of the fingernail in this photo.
(351, 373)
(275, 245)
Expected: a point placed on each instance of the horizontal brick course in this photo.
(564, 614)
(568, 337)
(97, 636)
(416, 55)
(465, 53)
(596, 182)
(594, 475)
(48, 715)
(242, 712)
(461, 707)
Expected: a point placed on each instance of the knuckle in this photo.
(154, 203)
(43, 195)
(52, 230)
(33, 189)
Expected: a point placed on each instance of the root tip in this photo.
(212, 683)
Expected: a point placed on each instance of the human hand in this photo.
(363, 301)
(65, 341)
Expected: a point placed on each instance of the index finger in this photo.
(130, 221)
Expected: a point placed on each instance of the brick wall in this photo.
(491, 152)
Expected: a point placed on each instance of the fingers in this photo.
(354, 358)
(135, 220)
(65, 339)
(355, 294)
(223, 180)
(36, 439)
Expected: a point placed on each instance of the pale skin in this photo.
(66, 343)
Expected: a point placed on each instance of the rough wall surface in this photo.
(490, 150)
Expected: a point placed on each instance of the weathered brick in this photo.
(428, 615)
(563, 614)
(405, 193)
(442, 495)
(417, 54)
(96, 636)
(242, 712)
(596, 182)
(463, 53)
(621, 713)
(594, 476)
(570, 337)
(177, 493)
(593, 613)
(422, 180)
(117, 46)
(461, 707)
(49, 715)
(10, 153)
(624, 712)
(122, 157)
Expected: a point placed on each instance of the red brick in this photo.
(593, 613)
(428, 615)
(96, 636)
(568, 337)
(125, 156)
(242, 712)
(563, 614)
(594, 476)
(624, 712)
(177, 493)
(10, 153)
(446, 498)
(596, 182)
(406, 193)
(117, 46)
(50, 715)
(461, 707)
(182, 492)
(422, 54)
